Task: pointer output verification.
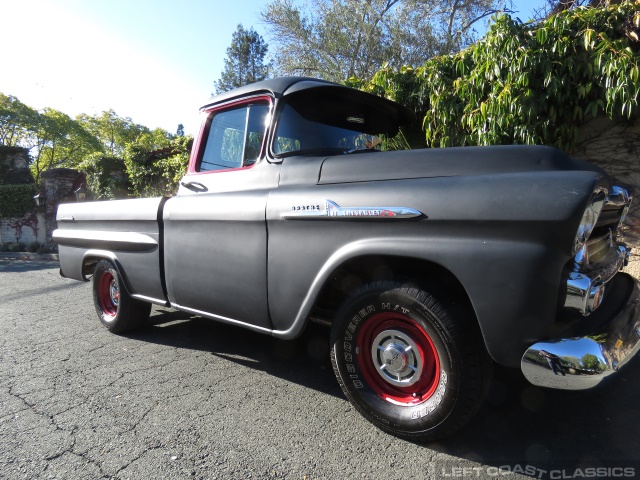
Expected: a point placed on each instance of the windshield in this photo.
(302, 130)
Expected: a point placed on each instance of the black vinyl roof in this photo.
(327, 96)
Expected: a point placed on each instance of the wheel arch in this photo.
(92, 257)
(350, 275)
(398, 254)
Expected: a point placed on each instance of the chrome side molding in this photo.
(107, 240)
(332, 211)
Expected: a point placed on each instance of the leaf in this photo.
(589, 38)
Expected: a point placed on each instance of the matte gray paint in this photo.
(230, 255)
(447, 162)
(127, 228)
(505, 237)
(216, 245)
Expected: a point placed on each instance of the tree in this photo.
(113, 131)
(339, 39)
(119, 156)
(245, 60)
(60, 141)
(552, 7)
(590, 361)
(17, 121)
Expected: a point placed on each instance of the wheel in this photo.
(116, 309)
(414, 366)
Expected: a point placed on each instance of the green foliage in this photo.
(119, 156)
(16, 121)
(525, 83)
(590, 361)
(16, 201)
(245, 60)
(60, 141)
(16, 247)
(112, 131)
(106, 177)
(157, 171)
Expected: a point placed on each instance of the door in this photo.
(215, 230)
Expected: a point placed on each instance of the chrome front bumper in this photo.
(579, 363)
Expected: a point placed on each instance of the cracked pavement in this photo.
(189, 398)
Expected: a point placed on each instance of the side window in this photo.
(234, 137)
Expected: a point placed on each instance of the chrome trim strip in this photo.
(144, 298)
(220, 318)
(130, 241)
(333, 210)
(582, 363)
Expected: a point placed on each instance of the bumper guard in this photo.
(582, 363)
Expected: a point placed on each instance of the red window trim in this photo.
(200, 142)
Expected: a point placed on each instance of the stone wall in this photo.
(14, 170)
(615, 147)
(26, 230)
(14, 166)
(57, 186)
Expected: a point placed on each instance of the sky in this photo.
(154, 61)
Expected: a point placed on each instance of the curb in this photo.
(28, 256)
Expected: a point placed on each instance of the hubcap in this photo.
(395, 356)
(113, 292)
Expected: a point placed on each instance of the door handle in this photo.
(194, 186)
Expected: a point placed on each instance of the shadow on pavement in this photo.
(17, 265)
(304, 360)
(519, 424)
(554, 430)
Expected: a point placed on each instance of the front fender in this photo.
(512, 285)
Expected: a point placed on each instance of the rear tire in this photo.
(414, 366)
(117, 311)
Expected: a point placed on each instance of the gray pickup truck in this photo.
(429, 265)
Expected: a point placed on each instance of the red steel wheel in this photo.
(411, 362)
(108, 293)
(403, 366)
(116, 309)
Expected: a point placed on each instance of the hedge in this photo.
(16, 201)
(525, 83)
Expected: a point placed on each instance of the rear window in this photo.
(299, 132)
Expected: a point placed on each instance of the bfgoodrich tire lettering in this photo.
(413, 365)
(117, 311)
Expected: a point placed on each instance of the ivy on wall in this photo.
(16, 201)
(524, 83)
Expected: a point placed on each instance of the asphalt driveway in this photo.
(189, 398)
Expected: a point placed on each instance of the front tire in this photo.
(414, 366)
(116, 309)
